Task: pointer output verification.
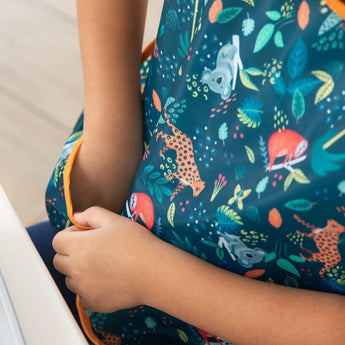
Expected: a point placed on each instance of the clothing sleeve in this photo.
(58, 199)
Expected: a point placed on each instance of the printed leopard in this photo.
(326, 240)
(187, 172)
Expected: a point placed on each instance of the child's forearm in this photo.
(242, 310)
(111, 34)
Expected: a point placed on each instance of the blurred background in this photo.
(41, 94)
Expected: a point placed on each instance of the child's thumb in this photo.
(87, 219)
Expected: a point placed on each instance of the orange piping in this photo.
(337, 6)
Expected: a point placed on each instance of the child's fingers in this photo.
(92, 217)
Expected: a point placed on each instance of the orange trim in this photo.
(337, 6)
(86, 324)
(147, 52)
(67, 183)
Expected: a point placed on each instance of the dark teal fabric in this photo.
(244, 110)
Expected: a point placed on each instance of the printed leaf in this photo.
(275, 218)
(156, 101)
(279, 86)
(323, 76)
(254, 71)
(303, 15)
(297, 60)
(250, 154)
(227, 219)
(228, 14)
(150, 186)
(329, 23)
(155, 175)
(223, 132)
(158, 193)
(182, 335)
(300, 177)
(298, 105)
(261, 186)
(287, 266)
(171, 214)
(211, 244)
(250, 2)
(165, 190)
(341, 187)
(288, 181)
(148, 168)
(278, 39)
(220, 253)
(324, 91)
(216, 7)
(296, 258)
(299, 205)
(270, 257)
(264, 36)
(255, 273)
(250, 112)
(291, 282)
(273, 15)
(246, 81)
(306, 86)
(248, 26)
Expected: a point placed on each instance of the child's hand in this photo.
(110, 266)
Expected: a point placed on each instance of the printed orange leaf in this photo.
(275, 218)
(156, 101)
(216, 7)
(255, 273)
(303, 15)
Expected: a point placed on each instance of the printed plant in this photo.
(250, 112)
(156, 183)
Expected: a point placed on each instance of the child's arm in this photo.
(111, 34)
(136, 267)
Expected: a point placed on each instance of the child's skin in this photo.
(120, 264)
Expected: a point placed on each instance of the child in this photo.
(242, 176)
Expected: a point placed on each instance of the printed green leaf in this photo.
(220, 253)
(155, 175)
(211, 244)
(248, 26)
(246, 81)
(298, 105)
(261, 186)
(296, 258)
(228, 14)
(270, 257)
(341, 188)
(273, 15)
(299, 205)
(297, 59)
(223, 132)
(287, 266)
(288, 181)
(148, 169)
(291, 282)
(264, 36)
(278, 39)
(158, 192)
(300, 177)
